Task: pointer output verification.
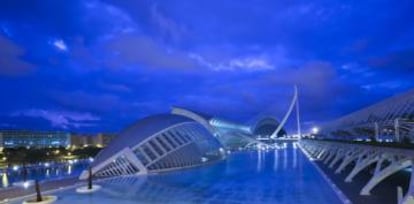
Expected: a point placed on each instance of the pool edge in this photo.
(342, 197)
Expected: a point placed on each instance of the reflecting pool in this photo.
(42, 172)
(276, 176)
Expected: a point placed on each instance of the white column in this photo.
(409, 197)
(397, 130)
(376, 131)
(298, 118)
(283, 121)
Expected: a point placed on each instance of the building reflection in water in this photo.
(285, 157)
(295, 155)
(5, 180)
(276, 160)
(69, 169)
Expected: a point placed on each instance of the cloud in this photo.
(60, 45)
(132, 50)
(91, 102)
(312, 75)
(169, 29)
(401, 60)
(251, 63)
(60, 119)
(392, 85)
(11, 62)
(115, 87)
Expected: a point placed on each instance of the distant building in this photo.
(78, 140)
(103, 139)
(1, 142)
(51, 139)
(85, 140)
(33, 139)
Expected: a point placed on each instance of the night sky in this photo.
(93, 66)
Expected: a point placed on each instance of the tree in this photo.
(90, 179)
(38, 194)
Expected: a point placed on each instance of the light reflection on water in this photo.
(4, 180)
(245, 177)
(56, 171)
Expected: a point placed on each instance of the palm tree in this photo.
(38, 194)
(90, 179)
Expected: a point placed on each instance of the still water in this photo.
(42, 172)
(274, 176)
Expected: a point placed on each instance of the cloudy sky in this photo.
(94, 66)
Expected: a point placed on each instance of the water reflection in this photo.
(69, 170)
(276, 160)
(5, 180)
(285, 158)
(259, 160)
(245, 177)
(42, 172)
(295, 155)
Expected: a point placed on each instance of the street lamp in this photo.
(315, 130)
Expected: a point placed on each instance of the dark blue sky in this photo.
(93, 65)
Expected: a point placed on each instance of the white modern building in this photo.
(390, 119)
(155, 144)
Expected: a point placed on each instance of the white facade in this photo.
(155, 144)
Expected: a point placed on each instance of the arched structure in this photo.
(232, 134)
(392, 118)
(157, 143)
(339, 155)
(265, 127)
(201, 118)
(293, 104)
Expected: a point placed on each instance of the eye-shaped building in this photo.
(155, 144)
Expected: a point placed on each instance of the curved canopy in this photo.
(138, 132)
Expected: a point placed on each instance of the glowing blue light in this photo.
(26, 185)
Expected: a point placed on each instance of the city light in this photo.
(213, 102)
(5, 180)
(315, 130)
(15, 168)
(26, 185)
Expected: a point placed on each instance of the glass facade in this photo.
(34, 139)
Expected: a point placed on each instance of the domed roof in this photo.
(138, 132)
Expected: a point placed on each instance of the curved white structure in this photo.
(154, 144)
(288, 113)
(387, 161)
(391, 119)
(195, 116)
